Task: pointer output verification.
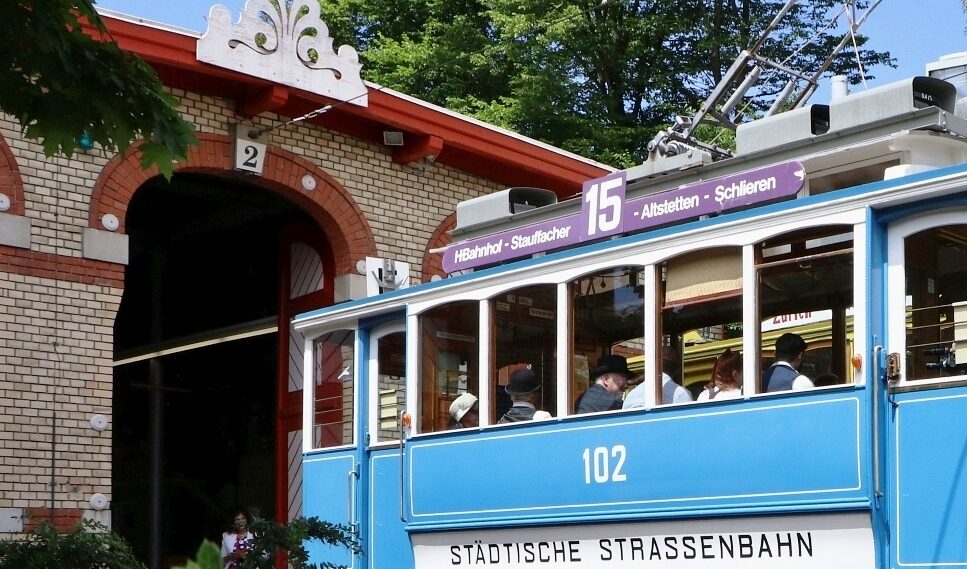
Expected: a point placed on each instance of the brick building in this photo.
(145, 377)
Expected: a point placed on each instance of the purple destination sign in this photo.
(715, 196)
(512, 244)
(604, 212)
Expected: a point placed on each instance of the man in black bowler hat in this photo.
(523, 388)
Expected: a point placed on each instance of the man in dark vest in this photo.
(610, 378)
(523, 388)
(784, 375)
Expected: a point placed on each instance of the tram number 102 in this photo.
(603, 464)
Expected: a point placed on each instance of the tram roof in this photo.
(866, 142)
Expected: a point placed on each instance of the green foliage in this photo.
(61, 83)
(272, 538)
(89, 546)
(207, 557)
(599, 81)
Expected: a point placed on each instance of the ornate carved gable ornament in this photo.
(286, 42)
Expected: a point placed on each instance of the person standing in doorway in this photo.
(237, 541)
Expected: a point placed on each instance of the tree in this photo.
(596, 78)
(89, 546)
(63, 85)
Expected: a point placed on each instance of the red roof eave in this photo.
(467, 144)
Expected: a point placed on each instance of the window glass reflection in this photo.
(607, 319)
(448, 360)
(935, 262)
(335, 375)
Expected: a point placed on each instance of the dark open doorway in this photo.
(194, 426)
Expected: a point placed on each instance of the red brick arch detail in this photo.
(433, 262)
(329, 204)
(11, 184)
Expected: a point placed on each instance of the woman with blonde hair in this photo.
(726, 380)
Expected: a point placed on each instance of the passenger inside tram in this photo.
(784, 374)
(524, 388)
(464, 412)
(726, 382)
(671, 389)
(610, 377)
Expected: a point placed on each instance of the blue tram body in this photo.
(865, 256)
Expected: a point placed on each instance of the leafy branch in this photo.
(89, 546)
(63, 82)
(272, 538)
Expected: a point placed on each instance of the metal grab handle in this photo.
(405, 422)
(877, 383)
(353, 526)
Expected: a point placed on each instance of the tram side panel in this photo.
(330, 493)
(388, 541)
(929, 506)
(764, 456)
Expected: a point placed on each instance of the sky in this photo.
(914, 31)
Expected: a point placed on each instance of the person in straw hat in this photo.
(463, 412)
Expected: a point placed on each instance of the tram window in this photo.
(935, 262)
(448, 360)
(607, 318)
(525, 334)
(335, 376)
(390, 377)
(805, 287)
(701, 314)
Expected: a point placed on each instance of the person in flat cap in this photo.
(610, 377)
(463, 412)
(524, 387)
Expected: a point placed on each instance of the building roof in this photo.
(453, 139)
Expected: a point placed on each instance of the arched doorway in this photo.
(195, 405)
(206, 400)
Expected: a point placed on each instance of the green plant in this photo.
(89, 546)
(207, 557)
(273, 537)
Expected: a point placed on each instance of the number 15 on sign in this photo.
(603, 202)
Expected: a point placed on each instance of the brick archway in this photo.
(329, 204)
(11, 184)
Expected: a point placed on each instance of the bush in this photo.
(89, 546)
(272, 538)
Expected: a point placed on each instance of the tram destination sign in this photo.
(606, 212)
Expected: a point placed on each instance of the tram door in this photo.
(924, 399)
(331, 467)
(384, 534)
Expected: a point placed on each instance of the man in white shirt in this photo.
(671, 391)
(784, 375)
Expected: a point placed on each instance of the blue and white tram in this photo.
(856, 217)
